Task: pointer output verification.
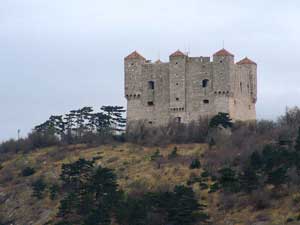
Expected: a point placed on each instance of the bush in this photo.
(173, 154)
(28, 171)
(155, 155)
(214, 187)
(53, 189)
(38, 187)
(195, 164)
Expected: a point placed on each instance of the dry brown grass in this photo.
(136, 173)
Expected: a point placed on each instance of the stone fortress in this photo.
(187, 88)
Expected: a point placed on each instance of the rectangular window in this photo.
(151, 85)
(150, 103)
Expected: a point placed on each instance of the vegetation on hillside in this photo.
(242, 173)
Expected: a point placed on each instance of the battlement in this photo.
(186, 88)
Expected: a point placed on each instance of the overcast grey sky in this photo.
(58, 55)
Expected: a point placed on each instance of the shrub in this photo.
(205, 174)
(38, 187)
(28, 171)
(195, 164)
(213, 187)
(155, 155)
(53, 189)
(229, 180)
(173, 154)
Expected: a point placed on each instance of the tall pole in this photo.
(19, 131)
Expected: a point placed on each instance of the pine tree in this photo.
(277, 177)
(229, 180)
(221, 119)
(181, 206)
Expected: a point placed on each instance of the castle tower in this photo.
(133, 84)
(252, 67)
(177, 77)
(223, 63)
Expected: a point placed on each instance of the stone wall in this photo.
(186, 88)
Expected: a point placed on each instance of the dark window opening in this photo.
(177, 99)
(206, 101)
(177, 84)
(221, 61)
(150, 103)
(241, 86)
(151, 85)
(150, 122)
(178, 119)
(176, 63)
(205, 83)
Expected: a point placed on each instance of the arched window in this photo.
(151, 85)
(205, 83)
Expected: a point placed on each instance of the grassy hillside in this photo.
(137, 171)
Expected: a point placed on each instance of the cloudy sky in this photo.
(60, 55)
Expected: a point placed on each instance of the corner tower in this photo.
(133, 84)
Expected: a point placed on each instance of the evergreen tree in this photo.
(256, 162)
(277, 177)
(229, 180)
(182, 206)
(221, 119)
(76, 174)
(92, 194)
(116, 120)
(195, 164)
(53, 189)
(38, 188)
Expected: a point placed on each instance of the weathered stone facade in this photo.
(186, 88)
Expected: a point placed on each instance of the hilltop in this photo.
(239, 173)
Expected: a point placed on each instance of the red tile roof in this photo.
(245, 61)
(177, 53)
(223, 52)
(135, 55)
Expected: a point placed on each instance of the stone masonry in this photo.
(187, 88)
